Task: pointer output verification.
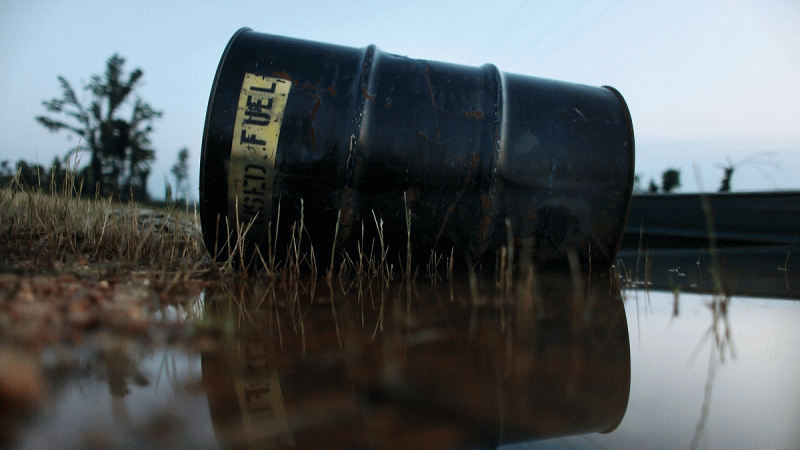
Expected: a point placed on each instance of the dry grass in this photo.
(63, 233)
(50, 233)
(41, 233)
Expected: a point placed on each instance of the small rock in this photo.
(22, 391)
(8, 281)
(25, 293)
(44, 286)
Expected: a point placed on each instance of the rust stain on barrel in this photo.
(472, 114)
(486, 202)
(366, 95)
(348, 213)
(433, 102)
(483, 228)
(312, 115)
(285, 76)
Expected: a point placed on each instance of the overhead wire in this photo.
(502, 34)
(549, 30)
(575, 33)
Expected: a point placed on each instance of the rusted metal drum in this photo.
(347, 139)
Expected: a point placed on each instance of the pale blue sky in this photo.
(703, 79)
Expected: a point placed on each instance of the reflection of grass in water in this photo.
(720, 326)
(720, 331)
(504, 351)
(515, 288)
(786, 266)
(514, 315)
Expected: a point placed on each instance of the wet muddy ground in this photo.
(647, 358)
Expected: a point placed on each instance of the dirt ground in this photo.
(43, 311)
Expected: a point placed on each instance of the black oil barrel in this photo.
(351, 140)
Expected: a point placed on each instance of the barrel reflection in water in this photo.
(344, 136)
(430, 367)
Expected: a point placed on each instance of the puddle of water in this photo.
(155, 402)
(772, 271)
(424, 367)
(557, 364)
(750, 388)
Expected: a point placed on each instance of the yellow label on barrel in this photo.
(263, 412)
(251, 173)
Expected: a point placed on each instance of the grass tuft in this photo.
(41, 232)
